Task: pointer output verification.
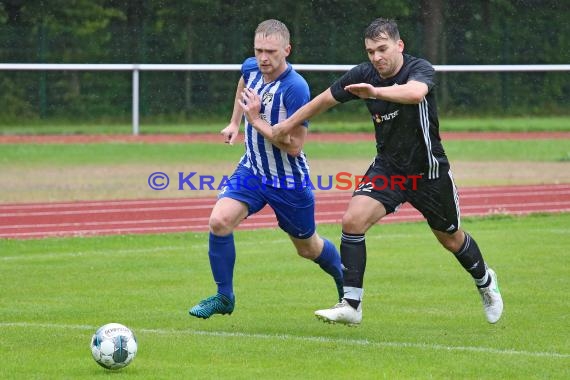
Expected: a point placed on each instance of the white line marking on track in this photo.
(183, 248)
(312, 339)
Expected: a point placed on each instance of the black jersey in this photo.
(407, 135)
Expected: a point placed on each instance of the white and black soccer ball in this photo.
(114, 346)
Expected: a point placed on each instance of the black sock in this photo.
(353, 257)
(470, 257)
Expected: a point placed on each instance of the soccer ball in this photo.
(114, 346)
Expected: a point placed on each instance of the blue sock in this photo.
(222, 254)
(329, 261)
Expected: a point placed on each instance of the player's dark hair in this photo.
(381, 28)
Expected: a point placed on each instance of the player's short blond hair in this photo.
(273, 27)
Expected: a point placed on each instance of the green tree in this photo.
(220, 31)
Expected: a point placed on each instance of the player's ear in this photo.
(400, 44)
(287, 50)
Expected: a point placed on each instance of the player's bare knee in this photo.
(310, 248)
(220, 225)
(452, 242)
(450, 246)
(306, 253)
(353, 224)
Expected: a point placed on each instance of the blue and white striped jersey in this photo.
(279, 100)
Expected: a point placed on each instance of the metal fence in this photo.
(137, 68)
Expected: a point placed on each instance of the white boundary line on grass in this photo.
(313, 339)
(159, 249)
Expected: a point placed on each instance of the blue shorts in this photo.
(294, 208)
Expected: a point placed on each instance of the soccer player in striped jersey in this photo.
(398, 91)
(270, 172)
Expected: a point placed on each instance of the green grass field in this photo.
(82, 154)
(422, 314)
(328, 122)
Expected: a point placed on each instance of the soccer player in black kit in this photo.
(398, 91)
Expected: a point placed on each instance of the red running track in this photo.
(38, 220)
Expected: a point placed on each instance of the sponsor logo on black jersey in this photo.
(389, 116)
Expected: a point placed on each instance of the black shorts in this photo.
(437, 199)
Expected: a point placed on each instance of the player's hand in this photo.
(362, 90)
(280, 135)
(250, 103)
(230, 133)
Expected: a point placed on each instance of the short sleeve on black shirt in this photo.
(422, 71)
(357, 74)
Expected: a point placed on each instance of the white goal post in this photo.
(137, 68)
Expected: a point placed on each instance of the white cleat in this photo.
(342, 312)
(492, 300)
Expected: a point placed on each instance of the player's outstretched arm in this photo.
(410, 93)
(318, 105)
(231, 132)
